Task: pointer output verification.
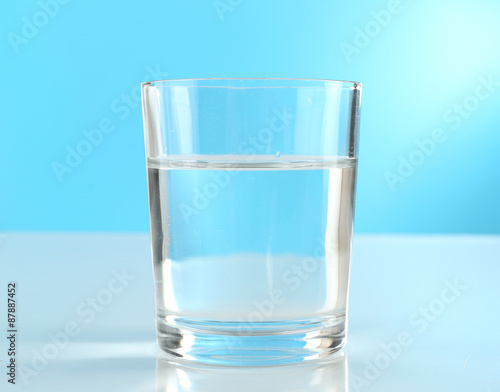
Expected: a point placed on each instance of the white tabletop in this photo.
(424, 316)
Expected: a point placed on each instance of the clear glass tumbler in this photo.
(251, 196)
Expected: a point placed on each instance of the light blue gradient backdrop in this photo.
(71, 74)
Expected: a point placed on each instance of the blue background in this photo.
(83, 63)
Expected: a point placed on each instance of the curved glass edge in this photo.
(253, 83)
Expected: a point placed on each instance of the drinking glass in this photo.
(313, 376)
(251, 197)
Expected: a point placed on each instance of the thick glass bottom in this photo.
(251, 344)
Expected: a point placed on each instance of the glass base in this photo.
(256, 344)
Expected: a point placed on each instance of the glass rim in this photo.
(185, 82)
